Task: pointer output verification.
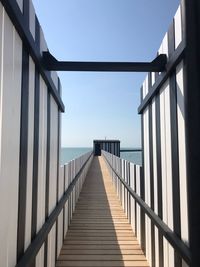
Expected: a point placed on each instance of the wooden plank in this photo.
(101, 257)
(103, 263)
(100, 246)
(101, 252)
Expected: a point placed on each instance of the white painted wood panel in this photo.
(60, 233)
(39, 262)
(30, 153)
(138, 176)
(166, 168)
(42, 155)
(32, 19)
(182, 153)
(43, 44)
(66, 217)
(53, 154)
(61, 182)
(132, 185)
(54, 77)
(10, 107)
(51, 247)
(153, 78)
(20, 4)
(168, 149)
(147, 180)
(178, 27)
(163, 152)
(156, 248)
(154, 156)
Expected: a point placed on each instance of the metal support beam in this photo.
(157, 65)
(192, 121)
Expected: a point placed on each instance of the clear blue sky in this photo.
(100, 105)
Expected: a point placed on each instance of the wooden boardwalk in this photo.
(99, 233)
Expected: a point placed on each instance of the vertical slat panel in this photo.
(132, 185)
(178, 27)
(169, 194)
(51, 247)
(20, 4)
(32, 20)
(42, 163)
(53, 156)
(182, 152)
(147, 171)
(40, 257)
(155, 178)
(30, 153)
(137, 179)
(23, 154)
(10, 105)
(60, 233)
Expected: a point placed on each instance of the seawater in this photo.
(69, 153)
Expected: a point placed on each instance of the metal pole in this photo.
(192, 121)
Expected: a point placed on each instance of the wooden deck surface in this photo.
(99, 233)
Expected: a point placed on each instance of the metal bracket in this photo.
(157, 65)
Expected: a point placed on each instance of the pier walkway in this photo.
(99, 233)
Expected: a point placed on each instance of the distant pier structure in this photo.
(111, 146)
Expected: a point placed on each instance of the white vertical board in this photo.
(10, 107)
(155, 177)
(60, 233)
(166, 163)
(43, 44)
(182, 153)
(132, 185)
(154, 156)
(30, 153)
(178, 27)
(147, 174)
(20, 4)
(138, 176)
(61, 182)
(42, 154)
(66, 211)
(54, 77)
(156, 247)
(168, 149)
(51, 247)
(39, 262)
(53, 154)
(42, 162)
(32, 19)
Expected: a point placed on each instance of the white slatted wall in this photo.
(166, 148)
(30, 106)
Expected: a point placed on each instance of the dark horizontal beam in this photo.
(172, 238)
(22, 28)
(175, 59)
(131, 150)
(157, 65)
(41, 236)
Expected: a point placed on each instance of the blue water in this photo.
(69, 153)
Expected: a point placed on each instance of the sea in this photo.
(69, 153)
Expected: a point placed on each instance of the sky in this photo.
(103, 105)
